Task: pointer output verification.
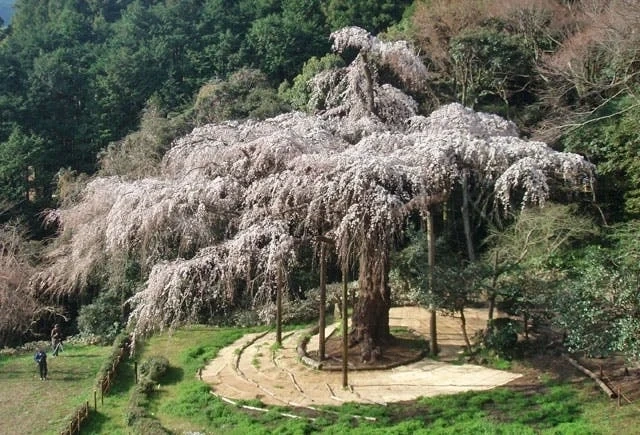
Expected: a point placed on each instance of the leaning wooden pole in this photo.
(604, 387)
(323, 301)
(345, 330)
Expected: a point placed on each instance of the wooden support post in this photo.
(323, 301)
(619, 395)
(279, 308)
(345, 330)
(95, 400)
(135, 370)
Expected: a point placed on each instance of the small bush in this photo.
(146, 385)
(102, 317)
(154, 368)
(137, 415)
(502, 337)
(134, 412)
(149, 426)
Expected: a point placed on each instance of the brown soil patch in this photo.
(404, 347)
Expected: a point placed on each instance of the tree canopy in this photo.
(235, 201)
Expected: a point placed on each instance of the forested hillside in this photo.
(95, 93)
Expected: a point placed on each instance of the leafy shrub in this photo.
(102, 317)
(502, 337)
(246, 94)
(137, 415)
(145, 385)
(154, 367)
(134, 412)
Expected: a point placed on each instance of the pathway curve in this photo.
(251, 369)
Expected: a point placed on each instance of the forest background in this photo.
(104, 87)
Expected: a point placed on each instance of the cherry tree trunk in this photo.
(370, 321)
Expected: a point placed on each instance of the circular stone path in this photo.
(253, 368)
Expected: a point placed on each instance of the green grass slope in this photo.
(31, 406)
(182, 404)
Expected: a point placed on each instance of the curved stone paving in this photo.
(251, 369)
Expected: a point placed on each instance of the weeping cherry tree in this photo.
(233, 202)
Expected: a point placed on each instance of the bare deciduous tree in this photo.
(19, 306)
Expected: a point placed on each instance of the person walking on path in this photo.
(56, 339)
(41, 359)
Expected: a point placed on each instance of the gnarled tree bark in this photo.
(370, 321)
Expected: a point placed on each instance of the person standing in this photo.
(41, 359)
(56, 339)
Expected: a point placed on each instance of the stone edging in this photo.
(301, 349)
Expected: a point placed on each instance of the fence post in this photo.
(619, 397)
(95, 400)
(135, 370)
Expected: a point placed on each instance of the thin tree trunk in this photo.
(431, 250)
(492, 294)
(323, 301)
(463, 324)
(345, 329)
(466, 220)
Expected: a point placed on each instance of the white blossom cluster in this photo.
(398, 55)
(234, 201)
(350, 93)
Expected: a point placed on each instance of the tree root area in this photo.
(402, 348)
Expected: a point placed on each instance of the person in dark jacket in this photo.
(56, 339)
(41, 359)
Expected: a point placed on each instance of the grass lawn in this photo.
(31, 406)
(182, 404)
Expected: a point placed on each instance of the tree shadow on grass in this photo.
(125, 378)
(173, 375)
(76, 355)
(95, 423)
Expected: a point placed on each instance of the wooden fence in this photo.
(107, 380)
(82, 413)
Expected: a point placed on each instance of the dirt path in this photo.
(251, 369)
